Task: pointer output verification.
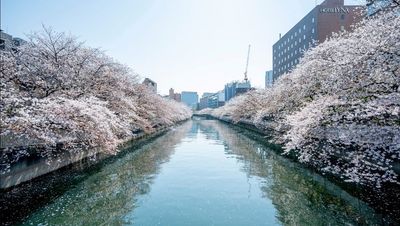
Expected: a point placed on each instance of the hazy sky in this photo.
(189, 45)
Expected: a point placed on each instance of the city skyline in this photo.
(172, 42)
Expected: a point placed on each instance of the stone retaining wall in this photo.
(33, 165)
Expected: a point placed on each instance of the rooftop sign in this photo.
(334, 10)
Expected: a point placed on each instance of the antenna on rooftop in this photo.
(247, 65)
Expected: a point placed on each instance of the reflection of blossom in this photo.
(107, 196)
(300, 196)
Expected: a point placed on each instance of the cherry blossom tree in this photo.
(339, 109)
(56, 90)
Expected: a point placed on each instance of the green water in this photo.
(203, 173)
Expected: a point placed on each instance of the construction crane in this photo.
(247, 65)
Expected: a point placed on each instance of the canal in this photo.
(202, 172)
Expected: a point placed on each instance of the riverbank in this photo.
(270, 134)
(33, 165)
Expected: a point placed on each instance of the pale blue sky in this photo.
(189, 45)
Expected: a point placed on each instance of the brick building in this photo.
(328, 17)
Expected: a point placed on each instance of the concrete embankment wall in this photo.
(33, 165)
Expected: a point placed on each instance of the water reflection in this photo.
(300, 196)
(204, 173)
(109, 194)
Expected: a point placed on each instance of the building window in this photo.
(295, 33)
(342, 17)
(304, 27)
(295, 52)
(342, 28)
(312, 31)
(299, 40)
(313, 20)
(299, 30)
(304, 37)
